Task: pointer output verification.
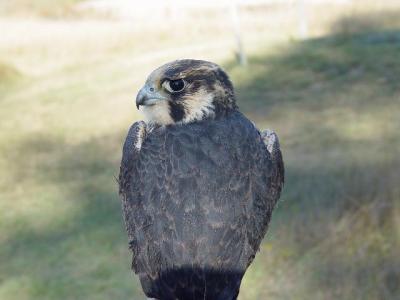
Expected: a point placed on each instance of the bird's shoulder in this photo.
(130, 151)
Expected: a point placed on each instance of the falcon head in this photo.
(185, 91)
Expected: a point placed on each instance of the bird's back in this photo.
(201, 204)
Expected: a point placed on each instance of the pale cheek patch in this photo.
(219, 90)
(198, 105)
(158, 113)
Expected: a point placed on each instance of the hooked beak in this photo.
(147, 97)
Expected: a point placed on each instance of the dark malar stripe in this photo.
(177, 111)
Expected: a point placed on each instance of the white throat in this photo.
(157, 113)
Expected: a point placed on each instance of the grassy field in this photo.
(66, 93)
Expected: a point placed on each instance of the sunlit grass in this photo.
(43, 8)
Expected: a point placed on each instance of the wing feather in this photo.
(271, 141)
(128, 169)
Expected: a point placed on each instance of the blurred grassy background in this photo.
(68, 78)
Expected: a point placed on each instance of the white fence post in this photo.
(303, 18)
(236, 28)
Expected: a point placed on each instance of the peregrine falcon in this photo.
(198, 183)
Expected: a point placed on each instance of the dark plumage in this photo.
(198, 195)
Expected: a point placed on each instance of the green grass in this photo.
(334, 101)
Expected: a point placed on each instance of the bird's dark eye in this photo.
(174, 86)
